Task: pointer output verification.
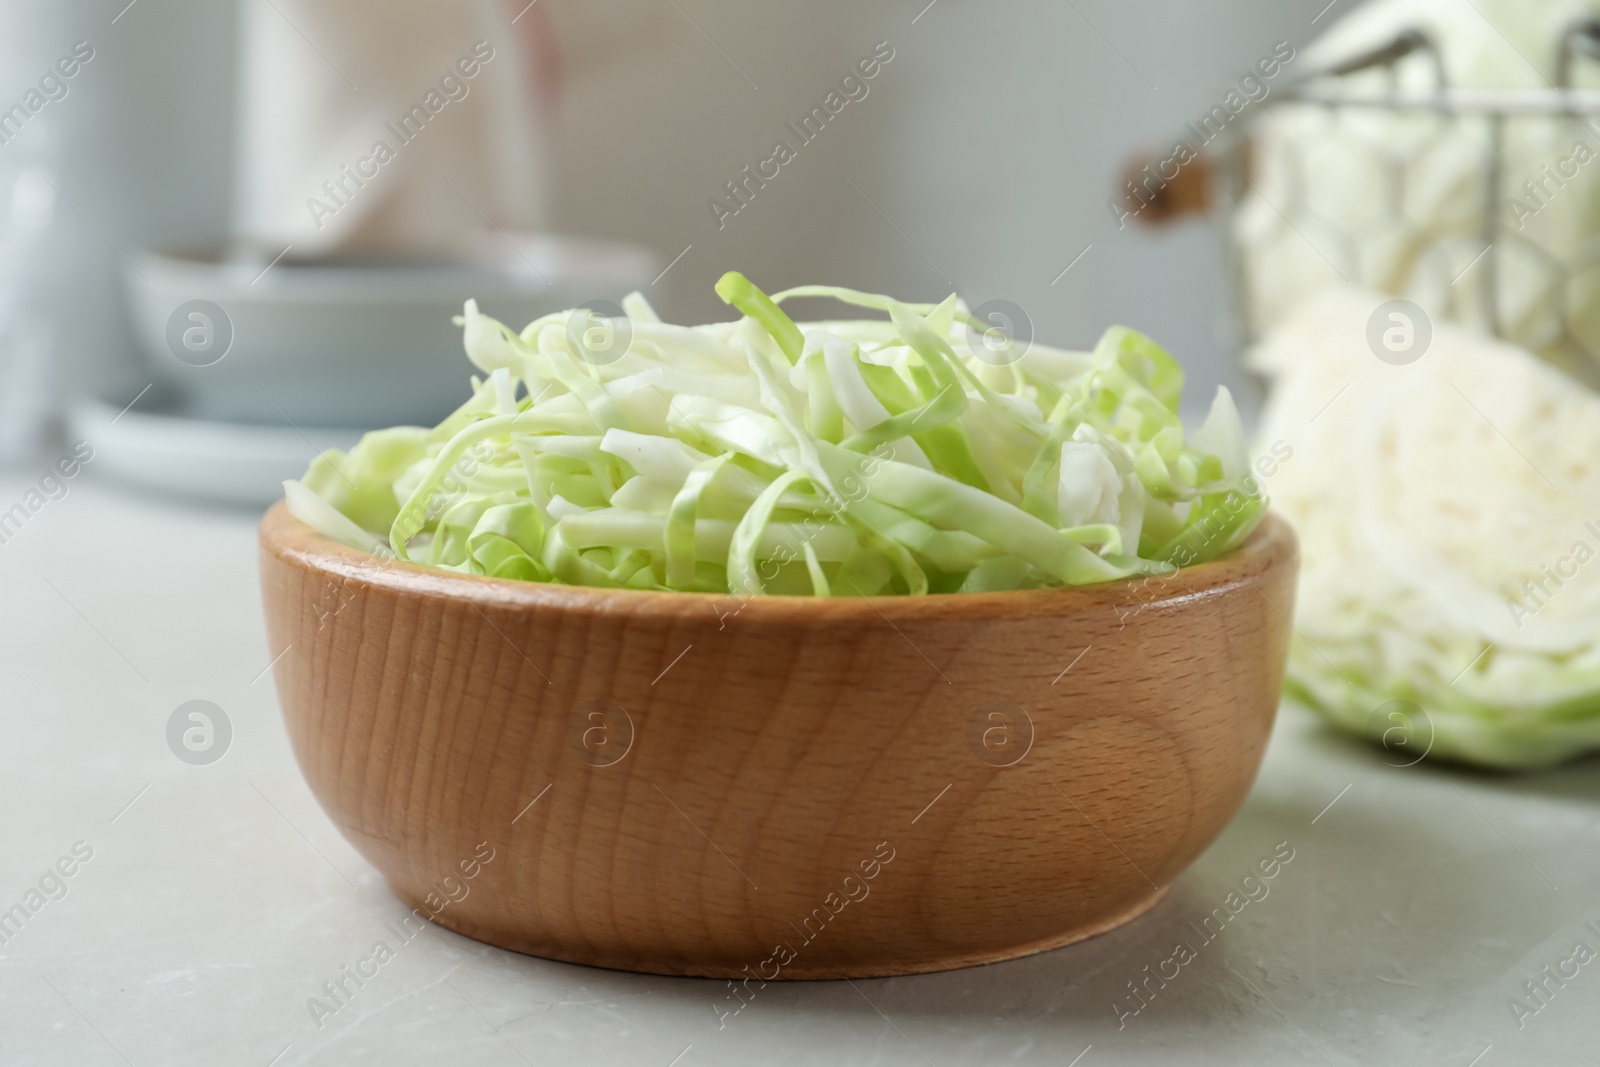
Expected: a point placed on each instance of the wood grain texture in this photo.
(783, 787)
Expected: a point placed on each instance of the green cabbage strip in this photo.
(842, 458)
(737, 290)
(680, 536)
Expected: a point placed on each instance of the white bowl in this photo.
(359, 345)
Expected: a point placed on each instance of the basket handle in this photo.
(1404, 44)
(1194, 190)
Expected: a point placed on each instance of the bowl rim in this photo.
(1271, 546)
(205, 270)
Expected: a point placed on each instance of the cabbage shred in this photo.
(909, 455)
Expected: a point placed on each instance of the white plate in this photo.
(224, 462)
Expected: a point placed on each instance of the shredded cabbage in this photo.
(842, 458)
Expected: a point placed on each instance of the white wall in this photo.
(992, 140)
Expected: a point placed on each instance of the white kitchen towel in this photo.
(374, 129)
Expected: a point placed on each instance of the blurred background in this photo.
(981, 160)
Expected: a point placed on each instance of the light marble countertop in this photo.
(218, 898)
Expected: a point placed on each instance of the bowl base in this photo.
(798, 971)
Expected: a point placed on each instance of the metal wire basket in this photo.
(1508, 240)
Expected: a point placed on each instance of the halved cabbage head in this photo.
(1449, 521)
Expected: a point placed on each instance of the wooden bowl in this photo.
(781, 787)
